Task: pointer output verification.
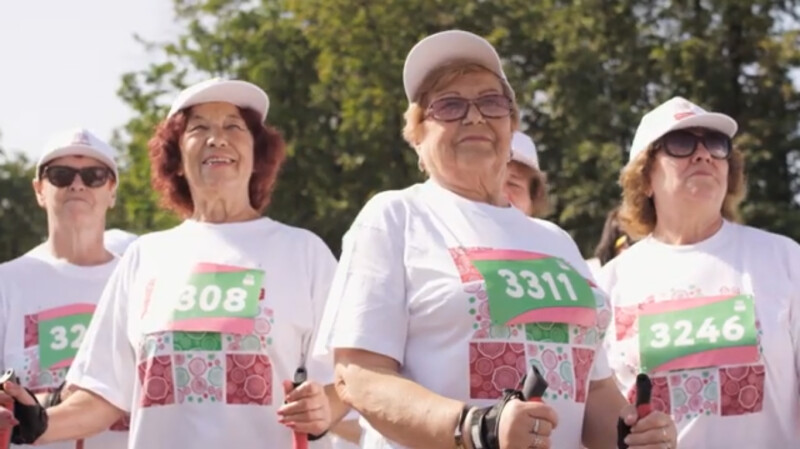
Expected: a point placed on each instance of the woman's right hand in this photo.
(7, 419)
(526, 425)
(18, 393)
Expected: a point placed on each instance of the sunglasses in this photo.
(451, 109)
(682, 144)
(62, 176)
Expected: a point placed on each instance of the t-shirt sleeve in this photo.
(367, 306)
(323, 267)
(793, 267)
(106, 363)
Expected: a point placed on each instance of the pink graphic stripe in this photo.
(721, 356)
(216, 268)
(66, 363)
(505, 254)
(229, 325)
(583, 316)
(72, 309)
(681, 304)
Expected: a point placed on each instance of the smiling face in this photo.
(75, 204)
(216, 150)
(466, 151)
(698, 179)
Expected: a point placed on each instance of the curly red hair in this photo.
(269, 153)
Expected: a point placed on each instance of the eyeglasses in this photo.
(682, 144)
(451, 109)
(62, 176)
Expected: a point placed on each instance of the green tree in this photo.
(584, 72)
(22, 222)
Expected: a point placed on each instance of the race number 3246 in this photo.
(698, 332)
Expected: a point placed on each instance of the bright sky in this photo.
(61, 62)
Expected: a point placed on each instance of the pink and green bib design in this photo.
(527, 287)
(218, 298)
(61, 332)
(698, 332)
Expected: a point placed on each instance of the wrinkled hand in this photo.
(18, 393)
(526, 425)
(654, 431)
(7, 419)
(307, 409)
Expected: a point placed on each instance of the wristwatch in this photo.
(458, 433)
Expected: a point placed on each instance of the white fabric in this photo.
(239, 93)
(34, 283)
(441, 48)
(736, 260)
(594, 266)
(78, 142)
(677, 113)
(186, 403)
(399, 292)
(117, 240)
(341, 443)
(523, 150)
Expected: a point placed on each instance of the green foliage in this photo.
(584, 73)
(22, 221)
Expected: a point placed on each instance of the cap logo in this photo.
(683, 115)
(80, 138)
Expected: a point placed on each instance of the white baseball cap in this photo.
(239, 93)
(439, 49)
(523, 150)
(78, 142)
(678, 113)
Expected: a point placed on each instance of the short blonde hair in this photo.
(637, 215)
(537, 189)
(435, 80)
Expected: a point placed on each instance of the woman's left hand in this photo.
(306, 409)
(654, 431)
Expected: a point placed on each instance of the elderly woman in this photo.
(446, 294)
(47, 295)
(201, 327)
(708, 307)
(526, 184)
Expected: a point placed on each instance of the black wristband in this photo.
(54, 398)
(32, 422)
(476, 431)
(312, 437)
(485, 422)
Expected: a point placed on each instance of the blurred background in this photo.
(585, 71)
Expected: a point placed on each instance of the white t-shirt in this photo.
(185, 384)
(594, 266)
(117, 240)
(45, 307)
(733, 396)
(406, 288)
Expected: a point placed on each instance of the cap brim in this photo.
(441, 48)
(78, 150)
(239, 93)
(711, 120)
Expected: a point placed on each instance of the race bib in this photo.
(61, 332)
(215, 298)
(698, 332)
(526, 287)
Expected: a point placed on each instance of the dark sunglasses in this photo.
(682, 144)
(63, 176)
(451, 109)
